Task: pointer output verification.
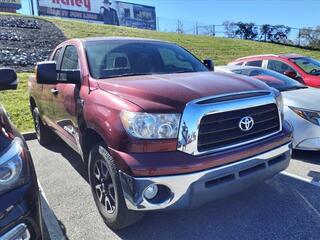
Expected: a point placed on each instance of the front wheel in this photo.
(106, 189)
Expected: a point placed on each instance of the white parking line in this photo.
(50, 219)
(310, 181)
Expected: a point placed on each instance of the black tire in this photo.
(45, 135)
(114, 210)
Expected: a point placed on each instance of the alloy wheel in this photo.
(104, 186)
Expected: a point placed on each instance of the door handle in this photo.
(54, 91)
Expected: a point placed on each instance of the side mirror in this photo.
(8, 79)
(47, 73)
(290, 74)
(209, 64)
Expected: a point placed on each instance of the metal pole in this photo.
(197, 31)
(158, 26)
(32, 7)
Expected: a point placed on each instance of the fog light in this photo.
(151, 191)
(20, 232)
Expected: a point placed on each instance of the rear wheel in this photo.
(44, 134)
(106, 189)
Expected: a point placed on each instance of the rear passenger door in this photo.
(65, 100)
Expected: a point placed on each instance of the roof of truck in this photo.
(89, 39)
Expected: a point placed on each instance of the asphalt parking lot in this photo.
(285, 207)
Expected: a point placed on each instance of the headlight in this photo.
(311, 116)
(279, 100)
(151, 126)
(11, 167)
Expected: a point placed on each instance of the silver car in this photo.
(301, 104)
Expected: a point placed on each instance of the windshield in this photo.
(273, 79)
(109, 59)
(308, 65)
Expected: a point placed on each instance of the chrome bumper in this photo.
(195, 189)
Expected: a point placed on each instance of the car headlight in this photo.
(11, 167)
(279, 100)
(151, 126)
(311, 116)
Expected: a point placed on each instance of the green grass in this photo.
(16, 103)
(221, 50)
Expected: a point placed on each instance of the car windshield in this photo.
(109, 59)
(308, 65)
(273, 79)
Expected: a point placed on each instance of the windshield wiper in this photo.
(292, 88)
(126, 75)
(185, 71)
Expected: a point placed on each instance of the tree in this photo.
(311, 36)
(230, 28)
(266, 32)
(246, 31)
(280, 34)
(275, 33)
(209, 30)
(180, 27)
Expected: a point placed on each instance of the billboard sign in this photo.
(15, 4)
(102, 11)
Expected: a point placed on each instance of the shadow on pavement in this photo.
(282, 208)
(307, 156)
(69, 154)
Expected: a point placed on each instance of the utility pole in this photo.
(32, 7)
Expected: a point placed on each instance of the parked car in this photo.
(20, 211)
(301, 108)
(155, 127)
(301, 68)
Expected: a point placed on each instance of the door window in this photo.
(279, 66)
(70, 60)
(254, 63)
(56, 55)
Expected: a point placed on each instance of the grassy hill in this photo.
(221, 50)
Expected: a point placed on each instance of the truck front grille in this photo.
(219, 130)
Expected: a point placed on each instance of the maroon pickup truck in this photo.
(155, 127)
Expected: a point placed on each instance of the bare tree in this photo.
(180, 29)
(209, 30)
(230, 28)
(311, 36)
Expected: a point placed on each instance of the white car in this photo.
(301, 104)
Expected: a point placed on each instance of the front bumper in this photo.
(21, 208)
(306, 135)
(195, 189)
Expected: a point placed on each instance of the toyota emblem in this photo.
(246, 123)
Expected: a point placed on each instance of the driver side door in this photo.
(65, 100)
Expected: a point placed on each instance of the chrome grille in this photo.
(222, 129)
(210, 124)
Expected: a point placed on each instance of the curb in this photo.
(29, 136)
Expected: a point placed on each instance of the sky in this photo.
(293, 13)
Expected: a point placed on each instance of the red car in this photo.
(301, 68)
(155, 127)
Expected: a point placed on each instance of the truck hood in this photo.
(171, 92)
(306, 98)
